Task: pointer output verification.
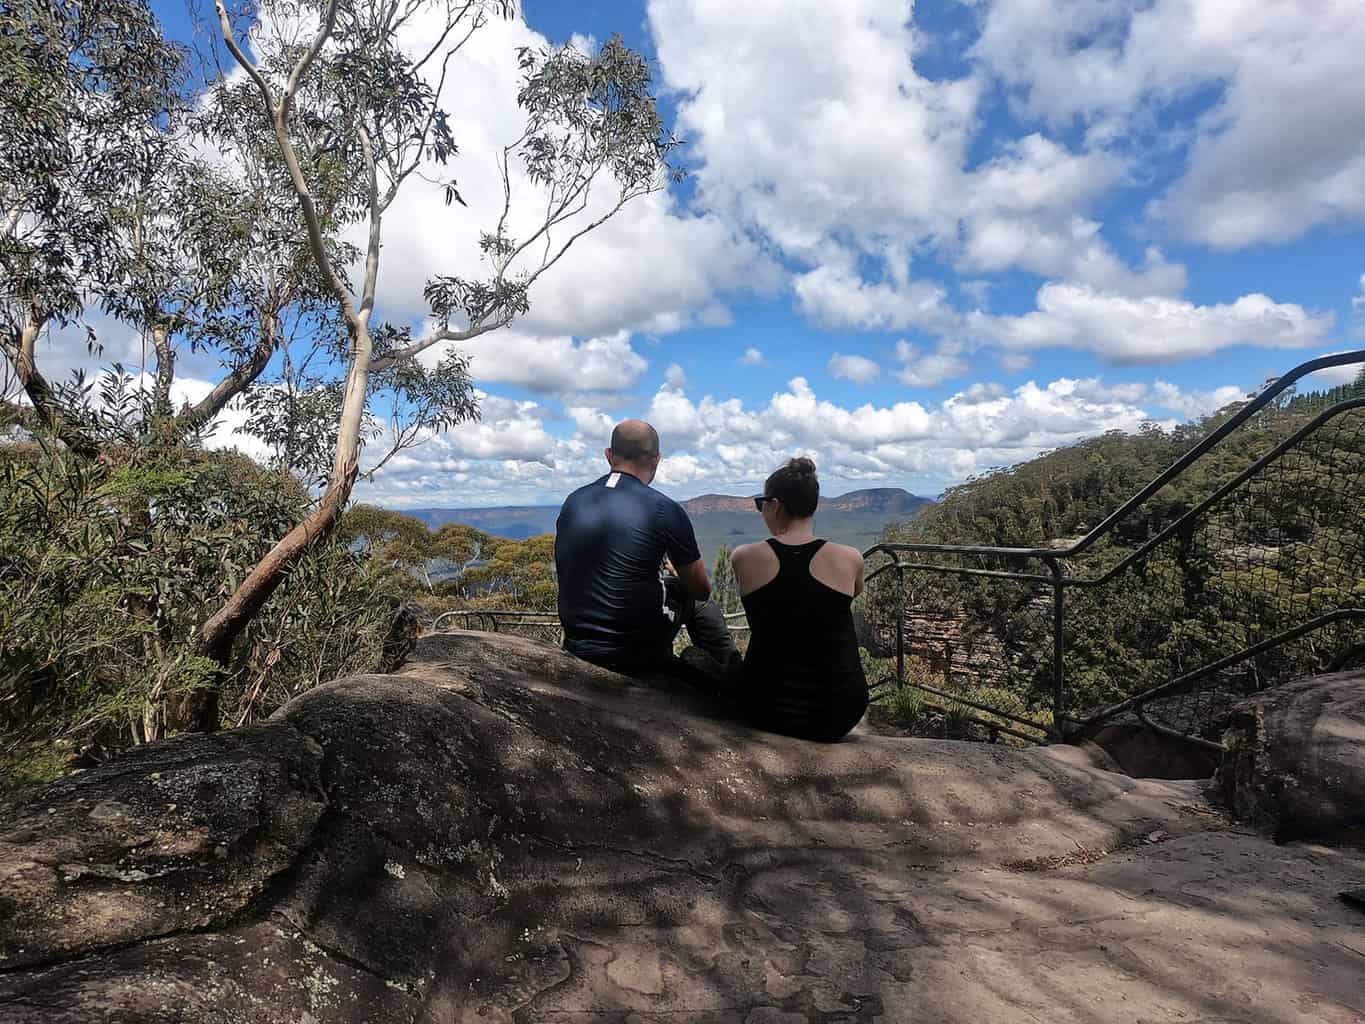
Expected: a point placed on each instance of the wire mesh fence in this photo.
(971, 630)
(1216, 581)
(1278, 551)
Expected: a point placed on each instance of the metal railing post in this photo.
(1058, 643)
(900, 625)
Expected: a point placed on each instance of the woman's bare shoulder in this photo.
(748, 552)
(847, 554)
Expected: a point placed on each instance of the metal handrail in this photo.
(1183, 682)
(1050, 554)
(1051, 557)
(496, 617)
(993, 727)
(1255, 468)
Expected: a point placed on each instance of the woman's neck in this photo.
(798, 531)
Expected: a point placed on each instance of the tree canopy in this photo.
(228, 206)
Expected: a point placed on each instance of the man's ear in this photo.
(606, 452)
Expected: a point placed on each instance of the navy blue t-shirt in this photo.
(610, 540)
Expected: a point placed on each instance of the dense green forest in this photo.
(1278, 550)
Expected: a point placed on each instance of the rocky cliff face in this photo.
(704, 503)
(500, 832)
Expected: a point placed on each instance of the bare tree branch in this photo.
(573, 238)
(329, 17)
(240, 57)
(376, 225)
(384, 362)
(407, 437)
(238, 380)
(221, 629)
(279, 119)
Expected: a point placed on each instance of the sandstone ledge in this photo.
(500, 832)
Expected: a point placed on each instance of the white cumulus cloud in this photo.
(551, 365)
(655, 266)
(725, 444)
(858, 369)
(1194, 404)
(1280, 149)
(929, 369)
(1151, 329)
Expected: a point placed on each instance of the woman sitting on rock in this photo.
(802, 674)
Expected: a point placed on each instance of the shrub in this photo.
(905, 707)
(107, 569)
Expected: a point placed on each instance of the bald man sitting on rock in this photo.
(618, 609)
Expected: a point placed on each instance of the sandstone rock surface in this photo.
(501, 833)
(1296, 757)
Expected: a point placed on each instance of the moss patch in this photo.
(32, 765)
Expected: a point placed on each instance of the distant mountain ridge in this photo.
(886, 500)
(515, 522)
(856, 517)
(890, 500)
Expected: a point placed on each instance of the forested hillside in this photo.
(1281, 548)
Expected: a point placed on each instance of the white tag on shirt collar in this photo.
(613, 480)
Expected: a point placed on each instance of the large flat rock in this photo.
(1296, 757)
(170, 838)
(500, 832)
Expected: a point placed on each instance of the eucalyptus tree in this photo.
(355, 114)
(222, 265)
(180, 282)
(123, 192)
(85, 92)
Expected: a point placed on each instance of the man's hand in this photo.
(695, 581)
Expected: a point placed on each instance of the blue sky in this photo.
(915, 242)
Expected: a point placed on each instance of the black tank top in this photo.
(802, 674)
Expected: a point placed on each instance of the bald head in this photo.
(634, 449)
(634, 439)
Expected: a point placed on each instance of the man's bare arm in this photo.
(694, 580)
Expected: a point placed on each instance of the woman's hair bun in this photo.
(796, 486)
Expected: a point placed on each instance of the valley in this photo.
(856, 518)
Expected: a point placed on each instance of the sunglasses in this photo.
(759, 499)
